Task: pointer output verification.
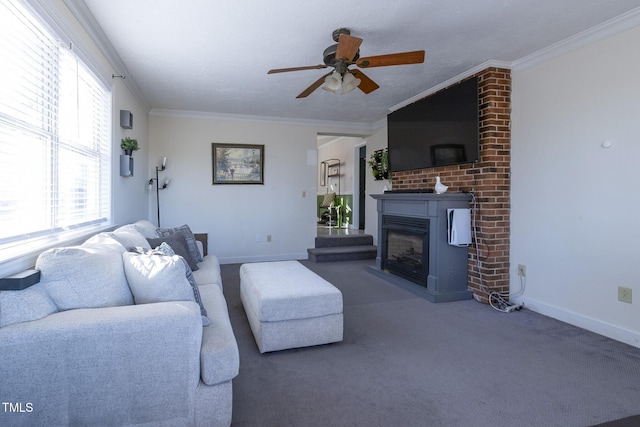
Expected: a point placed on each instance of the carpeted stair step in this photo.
(342, 253)
(344, 240)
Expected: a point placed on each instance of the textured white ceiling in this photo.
(213, 56)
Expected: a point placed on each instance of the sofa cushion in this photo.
(155, 277)
(129, 237)
(32, 303)
(86, 276)
(219, 357)
(104, 241)
(178, 243)
(189, 237)
(146, 228)
(208, 272)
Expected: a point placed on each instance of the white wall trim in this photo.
(359, 127)
(594, 325)
(595, 34)
(602, 31)
(82, 13)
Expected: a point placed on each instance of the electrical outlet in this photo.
(522, 270)
(257, 237)
(269, 238)
(625, 294)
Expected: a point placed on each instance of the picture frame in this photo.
(237, 163)
(323, 174)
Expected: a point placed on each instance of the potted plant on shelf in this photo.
(129, 145)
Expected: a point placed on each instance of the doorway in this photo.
(362, 185)
(350, 152)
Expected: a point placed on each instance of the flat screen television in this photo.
(440, 130)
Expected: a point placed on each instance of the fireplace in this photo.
(405, 251)
(413, 249)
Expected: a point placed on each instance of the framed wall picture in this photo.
(237, 163)
(323, 174)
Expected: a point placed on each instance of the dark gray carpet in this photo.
(406, 361)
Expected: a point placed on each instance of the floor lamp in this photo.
(158, 186)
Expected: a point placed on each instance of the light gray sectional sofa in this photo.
(114, 337)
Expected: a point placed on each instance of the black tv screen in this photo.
(442, 129)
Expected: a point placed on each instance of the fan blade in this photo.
(310, 67)
(366, 84)
(315, 85)
(347, 47)
(415, 57)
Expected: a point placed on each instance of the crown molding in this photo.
(326, 126)
(82, 13)
(592, 35)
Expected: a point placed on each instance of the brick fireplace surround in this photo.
(489, 180)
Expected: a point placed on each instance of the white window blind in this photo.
(55, 136)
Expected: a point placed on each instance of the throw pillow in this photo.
(165, 249)
(189, 236)
(178, 243)
(105, 241)
(146, 228)
(129, 237)
(157, 277)
(87, 276)
(328, 199)
(196, 294)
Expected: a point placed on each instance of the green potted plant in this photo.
(379, 164)
(129, 145)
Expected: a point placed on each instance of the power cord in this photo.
(498, 301)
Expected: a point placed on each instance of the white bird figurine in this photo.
(440, 187)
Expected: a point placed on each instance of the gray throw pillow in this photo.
(189, 237)
(178, 243)
(196, 294)
(165, 249)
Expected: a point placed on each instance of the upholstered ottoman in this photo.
(289, 306)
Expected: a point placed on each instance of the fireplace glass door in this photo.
(405, 250)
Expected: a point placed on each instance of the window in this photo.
(55, 137)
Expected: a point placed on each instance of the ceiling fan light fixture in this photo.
(333, 82)
(349, 83)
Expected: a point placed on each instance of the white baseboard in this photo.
(594, 325)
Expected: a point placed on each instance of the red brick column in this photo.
(489, 180)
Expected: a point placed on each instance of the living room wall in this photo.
(574, 203)
(237, 216)
(128, 206)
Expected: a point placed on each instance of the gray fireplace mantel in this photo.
(447, 278)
